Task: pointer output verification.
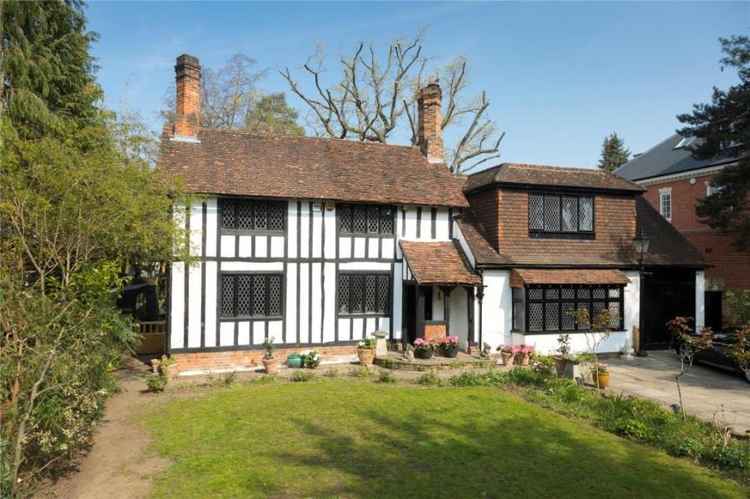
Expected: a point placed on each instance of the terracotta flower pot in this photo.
(525, 357)
(603, 378)
(366, 356)
(271, 365)
(507, 358)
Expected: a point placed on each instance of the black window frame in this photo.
(346, 210)
(252, 205)
(526, 299)
(559, 233)
(266, 315)
(358, 279)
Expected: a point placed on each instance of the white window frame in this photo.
(710, 189)
(665, 208)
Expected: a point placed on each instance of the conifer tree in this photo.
(614, 153)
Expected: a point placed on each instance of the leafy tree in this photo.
(376, 97)
(46, 71)
(614, 153)
(271, 115)
(722, 127)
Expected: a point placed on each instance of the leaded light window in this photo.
(553, 307)
(256, 295)
(364, 293)
(365, 219)
(561, 214)
(253, 215)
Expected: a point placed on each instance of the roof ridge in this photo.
(249, 133)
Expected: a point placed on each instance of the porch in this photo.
(439, 293)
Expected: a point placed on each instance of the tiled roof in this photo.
(437, 263)
(550, 176)
(482, 250)
(666, 245)
(521, 277)
(237, 163)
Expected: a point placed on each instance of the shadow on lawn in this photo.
(505, 454)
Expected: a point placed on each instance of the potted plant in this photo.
(449, 346)
(507, 354)
(423, 349)
(294, 360)
(366, 351)
(523, 354)
(600, 372)
(564, 359)
(270, 363)
(311, 359)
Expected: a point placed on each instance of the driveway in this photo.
(709, 394)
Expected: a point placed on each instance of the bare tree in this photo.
(228, 93)
(374, 94)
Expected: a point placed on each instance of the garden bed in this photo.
(462, 360)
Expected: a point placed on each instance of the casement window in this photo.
(256, 295)
(561, 215)
(711, 189)
(553, 307)
(360, 293)
(365, 219)
(253, 215)
(665, 203)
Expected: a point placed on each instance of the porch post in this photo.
(419, 322)
(446, 308)
(480, 296)
(470, 312)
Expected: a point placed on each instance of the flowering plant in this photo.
(449, 341)
(422, 344)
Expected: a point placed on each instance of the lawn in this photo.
(355, 438)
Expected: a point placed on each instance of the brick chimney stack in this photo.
(430, 123)
(188, 103)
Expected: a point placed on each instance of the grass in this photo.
(355, 438)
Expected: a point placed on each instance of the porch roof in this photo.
(438, 263)
(522, 277)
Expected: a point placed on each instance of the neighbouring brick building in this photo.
(317, 243)
(674, 183)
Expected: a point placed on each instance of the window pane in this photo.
(386, 220)
(244, 215)
(584, 293)
(244, 295)
(372, 219)
(343, 290)
(535, 316)
(259, 295)
(551, 316)
(552, 213)
(582, 325)
(570, 214)
(359, 219)
(568, 293)
(227, 214)
(276, 218)
(274, 295)
(371, 293)
(614, 314)
(598, 293)
(551, 294)
(568, 316)
(260, 215)
(384, 293)
(536, 212)
(535, 293)
(344, 216)
(227, 295)
(586, 214)
(597, 308)
(518, 315)
(614, 292)
(356, 292)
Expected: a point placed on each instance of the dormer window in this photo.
(565, 215)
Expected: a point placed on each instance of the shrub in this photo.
(359, 372)
(386, 377)
(301, 376)
(311, 360)
(331, 373)
(156, 383)
(429, 379)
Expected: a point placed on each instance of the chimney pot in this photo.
(188, 101)
(430, 121)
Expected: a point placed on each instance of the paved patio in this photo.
(708, 393)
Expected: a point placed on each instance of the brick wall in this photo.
(729, 268)
(246, 358)
(614, 230)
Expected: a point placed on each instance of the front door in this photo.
(664, 296)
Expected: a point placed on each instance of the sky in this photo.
(559, 76)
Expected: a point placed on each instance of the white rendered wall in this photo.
(497, 307)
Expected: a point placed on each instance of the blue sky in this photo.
(560, 76)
